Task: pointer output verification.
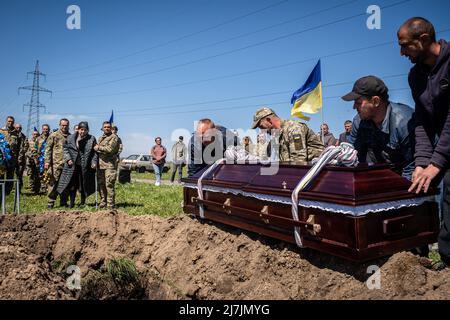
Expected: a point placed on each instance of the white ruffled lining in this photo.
(356, 211)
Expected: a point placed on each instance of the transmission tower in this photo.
(34, 105)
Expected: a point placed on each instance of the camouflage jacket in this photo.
(32, 149)
(54, 149)
(120, 146)
(261, 150)
(108, 150)
(13, 139)
(298, 143)
(34, 152)
(24, 146)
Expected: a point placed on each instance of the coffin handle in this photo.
(264, 212)
(226, 206)
(311, 226)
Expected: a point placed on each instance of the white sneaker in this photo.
(157, 183)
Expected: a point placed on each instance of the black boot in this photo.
(82, 201)
(72, 200)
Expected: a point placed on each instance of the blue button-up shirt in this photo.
(393, 142)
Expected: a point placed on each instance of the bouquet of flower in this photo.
(5, 154)
(41, 157)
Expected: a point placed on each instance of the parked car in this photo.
(141, 163)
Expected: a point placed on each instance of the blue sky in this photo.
(162, 65)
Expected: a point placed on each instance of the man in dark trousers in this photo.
(429, 82)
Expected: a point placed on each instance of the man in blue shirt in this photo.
(382, 130)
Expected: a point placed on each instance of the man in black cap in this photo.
(429, 80)
(179, 152)
(382, 131)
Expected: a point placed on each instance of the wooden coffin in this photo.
(355, 213)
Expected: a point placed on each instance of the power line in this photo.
(34, 104)
(237, 107)
(211, 44)
(235, 98)
(286, 101)
(237, 74)
(231, 51)
(179, 38)
(240, 73)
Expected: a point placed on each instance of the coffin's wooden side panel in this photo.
(355, 238)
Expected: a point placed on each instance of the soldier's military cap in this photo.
(261, 114)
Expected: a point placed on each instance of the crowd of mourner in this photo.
(416, 142)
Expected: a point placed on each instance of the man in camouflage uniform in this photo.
(54, 162)
(34, 183)
(36, 152)
(108, 150)
(114, 130)
(297, 142)
(13, 139)
(22, 161)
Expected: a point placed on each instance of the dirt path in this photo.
(183, 258)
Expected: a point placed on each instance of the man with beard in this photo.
(54, 162)
(429, 80)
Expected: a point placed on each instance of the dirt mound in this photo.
(182, 258)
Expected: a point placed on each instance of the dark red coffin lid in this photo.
(346, 186)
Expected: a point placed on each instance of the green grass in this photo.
(434, 256)
(122, 270)
(134, 199)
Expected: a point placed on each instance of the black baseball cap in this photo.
(368, 87)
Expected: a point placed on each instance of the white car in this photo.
(140, 163)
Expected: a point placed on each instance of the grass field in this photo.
(135, 199)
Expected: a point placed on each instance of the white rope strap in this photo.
(200, 186)
(344, 155)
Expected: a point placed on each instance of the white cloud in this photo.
(71, 117)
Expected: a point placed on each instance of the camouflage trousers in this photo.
(106, 187)
(34, 181)
(51, 189)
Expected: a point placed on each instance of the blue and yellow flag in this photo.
(308, 98)
(111, 119)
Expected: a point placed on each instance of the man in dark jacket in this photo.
(205, 141)
(429, 82)
(382, 131)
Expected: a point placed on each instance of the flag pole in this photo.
(321, 131)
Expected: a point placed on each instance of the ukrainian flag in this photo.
(308, 98)
(111, 119)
